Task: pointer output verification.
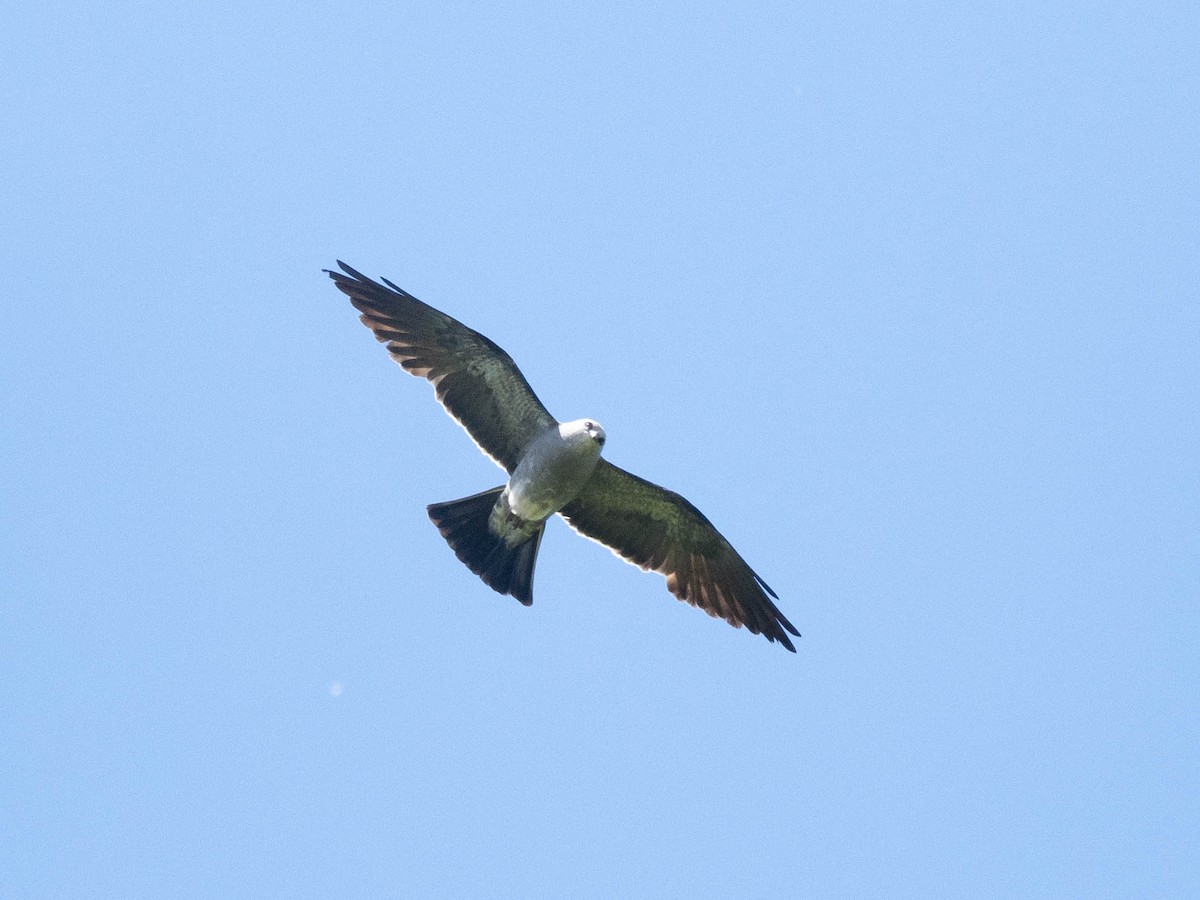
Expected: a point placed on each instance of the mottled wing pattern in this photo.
(659, 530)
(475, 380)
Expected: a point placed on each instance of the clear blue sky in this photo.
(903, 297)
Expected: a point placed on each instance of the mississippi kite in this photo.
(553, 468)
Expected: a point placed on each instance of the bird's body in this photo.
(497, 533)
(553, 468)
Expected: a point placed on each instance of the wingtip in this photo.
(346, 271)
(349, 275)
(782, 637)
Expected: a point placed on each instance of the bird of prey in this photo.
(553, 467)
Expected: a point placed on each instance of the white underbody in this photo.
(554, 469)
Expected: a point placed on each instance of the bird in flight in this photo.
(553, 467)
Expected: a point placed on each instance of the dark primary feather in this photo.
(659, 530)
(475, 380)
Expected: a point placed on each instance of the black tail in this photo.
(464, 525)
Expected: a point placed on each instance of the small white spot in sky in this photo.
(335, 689)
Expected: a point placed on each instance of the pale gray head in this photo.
(582, 429)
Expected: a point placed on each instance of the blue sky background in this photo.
(902, 296)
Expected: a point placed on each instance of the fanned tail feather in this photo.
(464, 525)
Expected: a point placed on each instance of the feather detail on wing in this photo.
(475, 380)
(659, 530)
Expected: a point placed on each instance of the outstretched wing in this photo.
(476, 381)
(659, 530)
